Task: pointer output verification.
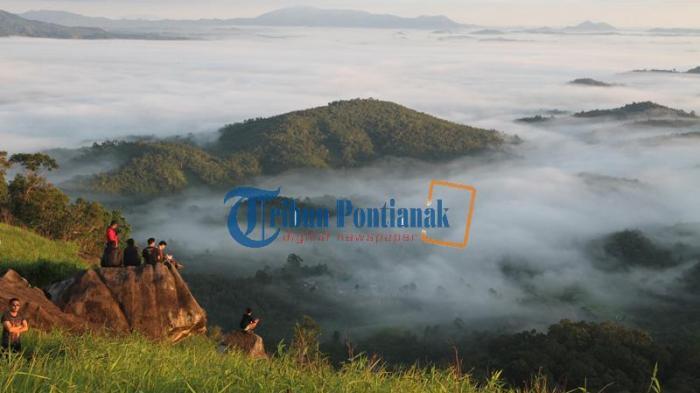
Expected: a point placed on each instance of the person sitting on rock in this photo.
(149, 253)
(110, 256)
(248, 322)
(165, 257)
(13, 325)
(131, 254)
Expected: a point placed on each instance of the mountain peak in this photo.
(590, 26)
(334, 17)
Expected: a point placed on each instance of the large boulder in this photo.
(152, 300)
(249, 343)
(36, 307)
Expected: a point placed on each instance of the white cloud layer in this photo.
(535, 208)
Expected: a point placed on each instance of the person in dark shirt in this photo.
(163, 257)
(13, 325)
(149, 253)
(248, 322)
(131, 254)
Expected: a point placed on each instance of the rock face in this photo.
(152, 300)
(36, 307)
(248, 343)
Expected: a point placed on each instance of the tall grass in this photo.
(39, 260)
(54, 362)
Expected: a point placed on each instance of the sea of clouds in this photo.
(539, 204)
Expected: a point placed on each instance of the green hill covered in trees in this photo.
(340, 135)
(352, 133)
(646, 109)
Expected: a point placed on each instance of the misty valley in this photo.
(585, 244)
(583, 261)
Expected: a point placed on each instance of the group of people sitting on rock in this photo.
(130, 256)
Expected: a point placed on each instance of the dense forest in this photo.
(568, 354)
(342, 134)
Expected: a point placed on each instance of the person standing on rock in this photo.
(248, 322)
(110, 257)
(13, 325)
(131, 254)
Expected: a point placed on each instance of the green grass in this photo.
(39, 260)
(54, 362)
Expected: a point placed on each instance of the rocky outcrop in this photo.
(39, 311)
(248, 343)
(152, 300)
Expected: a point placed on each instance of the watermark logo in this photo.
(264, 214)
(468, 220)
(254, 197)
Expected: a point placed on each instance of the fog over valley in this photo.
(547, 240)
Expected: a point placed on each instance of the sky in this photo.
(623, 13)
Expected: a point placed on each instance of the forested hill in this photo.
(342, 134)
(352, 133)
(646, 109)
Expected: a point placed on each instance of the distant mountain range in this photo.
(695, 70)
(642, 113)
(15, 25)
(293, 16)
(646, 110)
(675, 31)
(316, 17)
(586, 27)
(590, 27)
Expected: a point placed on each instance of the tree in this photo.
(35, 203)
(305, 345)
(33, 162)
(86, 223)
(39, 205)
(4, 193)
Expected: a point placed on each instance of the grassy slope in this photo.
(61, 363)
(39, 260)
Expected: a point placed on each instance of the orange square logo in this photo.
(472, 197)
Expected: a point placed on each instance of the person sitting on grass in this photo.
(248, 322)
(13, 325)
(131, 254)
